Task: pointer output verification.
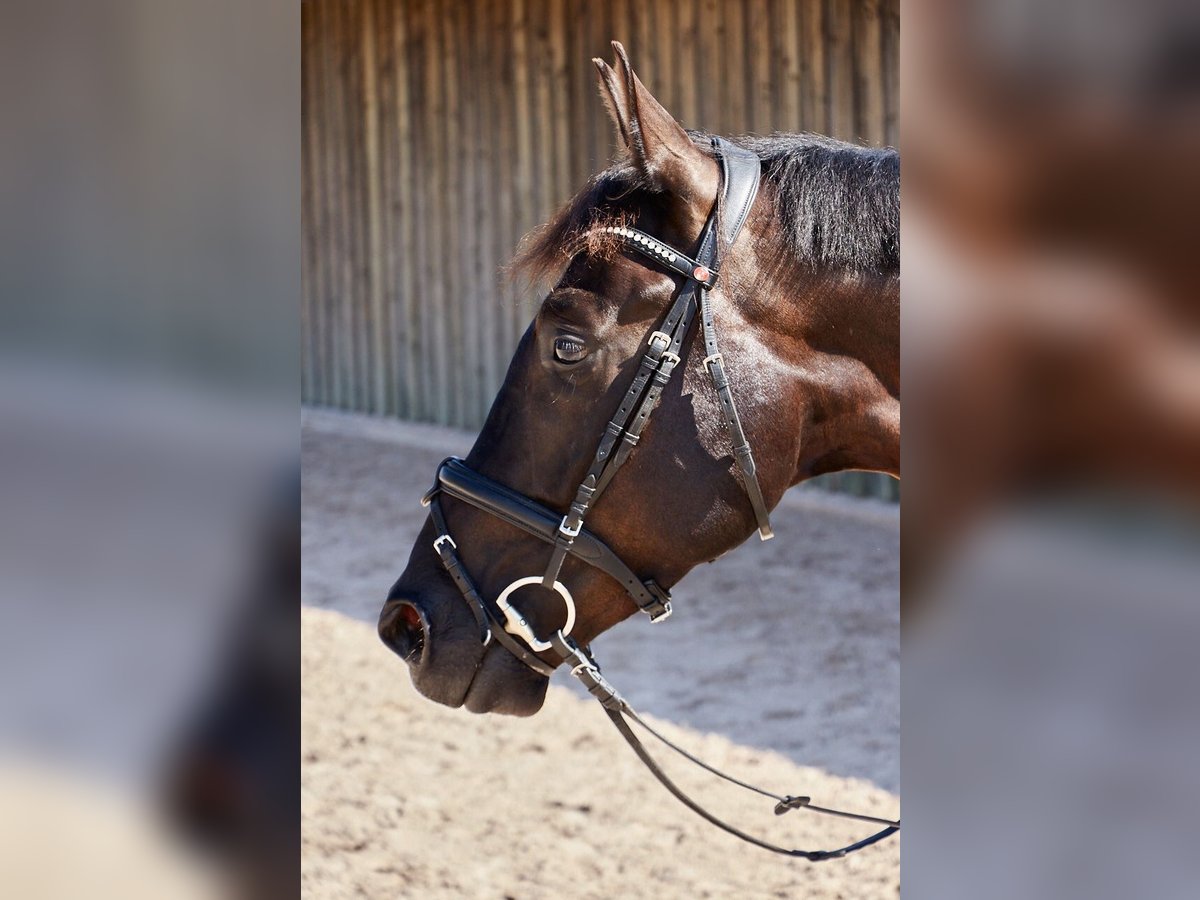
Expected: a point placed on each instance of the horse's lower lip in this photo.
(486, 695)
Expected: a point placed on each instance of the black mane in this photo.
(839, 205)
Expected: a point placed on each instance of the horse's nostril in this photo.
(405, 634)
(412, 622)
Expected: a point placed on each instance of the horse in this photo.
(805, 293)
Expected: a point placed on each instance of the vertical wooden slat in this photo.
(470, 293)
(394, 220)
(342, 297)
(815, 85)
(559, 83)
(327, 134)
(541, 73)
(622, 27)
(383, 266)
(401, 214)
(523, 162)
(427, 289)
(643, 18)
(505, 164)
(890, 62)
(839, 24)
(378, 322)
(311, 256)
(685, 107)
(666, 86)
(319, 131)
(762, 88)
(476, 198)
(478, 292)
(708, 39)
(544, 201)
(408, 220)
(358, 349)
(435, 175)
(598, 42)
(580, 79)
(868, 75)
(450, 253)
(579, 34)
(789, 48)
(732, 88)
(363, 351)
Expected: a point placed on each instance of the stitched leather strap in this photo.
(715, 364)
(489, 620)
(457, 480)
(618, 719)
(742, 173)
(659, 359)
(585, 668)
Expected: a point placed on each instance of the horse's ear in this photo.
(616, 100)
(658, 144)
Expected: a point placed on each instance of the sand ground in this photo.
(799, 691)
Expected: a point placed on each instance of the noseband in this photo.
(740, 170)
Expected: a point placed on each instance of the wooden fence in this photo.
(437, 132)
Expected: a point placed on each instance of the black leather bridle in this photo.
(740, 170)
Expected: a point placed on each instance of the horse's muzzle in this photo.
(438, 639)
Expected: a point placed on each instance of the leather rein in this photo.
(740, 171)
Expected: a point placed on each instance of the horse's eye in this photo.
(569, 349)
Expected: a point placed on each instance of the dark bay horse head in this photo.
(807, 304)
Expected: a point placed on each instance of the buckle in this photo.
(716, 357)
(566, 529)
(663, 336)
(664, 613)
(437, 542)
(662, 600)
(673, 358)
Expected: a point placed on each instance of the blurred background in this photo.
(149, 270)
(1051, 587)
(437, 134)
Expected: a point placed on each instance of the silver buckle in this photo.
(437, 542)
(663, 336)
(660, 616)
(673, 357)
(716, 357)
(566, 529)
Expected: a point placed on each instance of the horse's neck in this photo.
(849, 380)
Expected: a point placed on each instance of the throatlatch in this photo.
(740, 171)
